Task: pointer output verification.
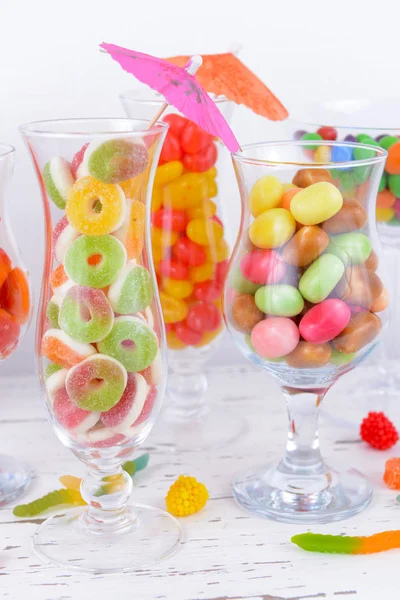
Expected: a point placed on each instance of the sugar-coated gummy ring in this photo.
(132, 342)
(132, 291)
(63, 236)
(124, 414)
(70, 416)
(60, 348)
(58, 180)
(95, 208)
(86, 314)
(116, 160)
(97, 383)
(100, 273)
(55, 382)
(100, 437)
(53, 311)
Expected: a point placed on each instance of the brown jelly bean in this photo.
(245, 314)
(372, 262)
(305, 246)
(309, 356)
(381, 303)
(362, 329)
(351, 216)
(360, 286)
(306, 177)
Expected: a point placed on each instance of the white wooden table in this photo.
(228, 554)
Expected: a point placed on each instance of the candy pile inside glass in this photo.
(388, 199)
(189, 249)
(103, 352)
(15, 304)
(303, 289)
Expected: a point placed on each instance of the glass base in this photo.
(151, 535)
(321, 498)
(208, 429)
(14, 479)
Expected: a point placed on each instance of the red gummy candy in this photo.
(186, 334)
(327, 133)
(171, 149)
(173, 220)
(5, 266)
(194, 139)
(208, 290)
(189, 252)
(391, 475)
(176, 123)
(203, 316)
(9, 333)
(14, 295)
(201, 161)
(378, 431)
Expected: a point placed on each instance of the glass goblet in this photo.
(305, 300)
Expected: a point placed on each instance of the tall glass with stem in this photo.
(305, 299)
(191, 254)
(100, 335)
(15, 310)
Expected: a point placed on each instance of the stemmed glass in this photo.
(100, 335)
(305, 300)
(15, 310)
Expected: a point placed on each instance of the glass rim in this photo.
(240, 157)
(46, 128)
(139, 96)
(6, 150)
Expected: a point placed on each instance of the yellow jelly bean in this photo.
(322, 154)
(156, 199)
(316, 203)
(265, 194)
(384, 214)
(173, 342)
(287, 186)
(205, 232)
(173, 310)
(212, 189)
(202, 272)
(157, 252)
(177, 288)
(210, 174)
(168, 172)
(218, 253)
(185, 192)
(163, 237)
(272, 228)
(208, 337)
(205, 210)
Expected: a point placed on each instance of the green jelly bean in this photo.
(240, 284)
(309, 137)
(281, 300)
(347, 182)
(340, 358)
(352, 248)
(383, 183)
(361, 174)
(395, 221)
(363, 153)
(394, 184)
(321, 277)
(364, 138)
(388, 141)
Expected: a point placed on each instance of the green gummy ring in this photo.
(102, 273)
(117, 160)
(58, 180)
(51, 369)
(53, 313)
(86, 314)
(132, 342)
(132, 291)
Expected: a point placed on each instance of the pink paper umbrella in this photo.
(179, 88)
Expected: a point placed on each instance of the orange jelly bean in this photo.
(173, 342)
(309, 356)
(173, 310)
(362, 329)
(5, 266)
(306, 177)
(393, 160)
(372, 261)
(385, 199)
(305, 246)
(381, 302)
(202, 272)
(287, 197)
(350, 217)
(360, 286)
(15, 295)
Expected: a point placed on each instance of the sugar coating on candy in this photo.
(95, 208)
(63, 237)
(131, 342)
(153, 373)
(70, 416)
(101, 437)
(60, 348)
(132, 291)
(53, 311)
(391, 475)
(132, 231)
(128, 409)
(86, 314)
(77, 161)
(97, 383)
(58, 180)
(95, 261)
(115, 160)
(55, 382)
(50, 369)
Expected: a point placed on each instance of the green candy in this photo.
(57, 498)
(281, 300)
(361, 174)
(116, 160)
(347, 182)
(395, 221)
(53, 313)
(364, 153)
(394, 184)
(364, 138)
(321, 278)
(310, 137)
(132, 291)
(138, 464)
(387, 141)
(333, 544)
(51, 369)
(383, 183)
(58, 180)
(240, 284)
(352, 248)
(340, 358)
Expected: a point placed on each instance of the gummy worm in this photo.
(50, 500)
(339, 544)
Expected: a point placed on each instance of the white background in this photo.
(50, 67)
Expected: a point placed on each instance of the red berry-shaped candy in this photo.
(186, 334)
(171, 149)
(173, 269)
(378, 431)
(203, 316)
(194, 139)
(173, 220)
(201, 161)
(189, 252)
(327, 133)
(221, 271)
(176, 123)
(208, 290)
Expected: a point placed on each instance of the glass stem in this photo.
(303, 455)
(186, 393)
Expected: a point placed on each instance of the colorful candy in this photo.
(361, 330)
(116, 160)
(245, 313)
(265, 267)
(316, 203)
(58, 180)
(266, 193)
(350, 217)
(9, 332)
(85, 314)
(351, 248)
(325, 321)
(344, 544)
(391, 475)
(132, 291)
(309, 356)
(131, 232)
(321, 278)
(63, 237)
(15, 295)
(128, 409)
(95, 261)
(275, 337)
(305, 246)
(70, 416)
(280, 300)
(272, 228)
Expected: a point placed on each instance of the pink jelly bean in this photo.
(263, 266)
(71, 416)
(275, 337)
(325, 321)
(125, 413)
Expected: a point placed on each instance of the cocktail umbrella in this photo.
(179, 87)
(226, 75)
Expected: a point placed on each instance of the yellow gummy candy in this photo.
(173, 310)
(168, 172)
(265, 194)
(185, 192)
(186, 496)
(205, 232)
(385, 214)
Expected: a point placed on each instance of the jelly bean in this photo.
(205, 210)
(272, 229)
(287, 197)
(156, 199)
(173, 342)
(174, 310)
(327, 133)
(360, 286)
(380, 303)
(201, 161)
(341, 358)
(347, 184)
(265, 267)
(350, 138)
(364, 153)
(266, 193)
(322, 154)
(362, 329)
(325, 321)
(208, 290)
(204, 232)
(221, 271)
(385, 214)
(189, 252)
(176, 123)
(194, 139)
(245, 313)
(173, 269)
(158, 253)
(274, 337)
(372, 261)
(341, 154)
(5, 266)
(15, 295)
(218, 253)
(321, 278)
(201, 273)
(211, 174)
(280, 300)
(174, 220)
(186, 191)
(239, 283)
(287, 186)
(387, 141)
(350, 217)
(203, 316)
(305, 246)
(212, 189)
(393, 159)
(316, 203)
(168, 172)
(171, 149)
(385, 199)
(309, 356)
(179, 289)
(310, 136)
(163, 237)
(186, 334)
(351, 248)
(307, 177)
(208, 337)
